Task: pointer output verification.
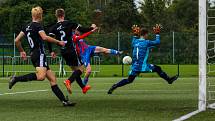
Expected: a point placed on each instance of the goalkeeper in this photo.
(141, 46)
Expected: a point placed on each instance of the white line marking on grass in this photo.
(33, 91)
(187, 116)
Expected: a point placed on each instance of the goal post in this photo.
(202, 55)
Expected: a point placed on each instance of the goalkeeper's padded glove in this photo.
(157, 28)
(135, 30)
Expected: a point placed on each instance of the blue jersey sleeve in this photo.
(156, 41)
(133, 39)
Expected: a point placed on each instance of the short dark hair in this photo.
(60, 12)
(143, 31)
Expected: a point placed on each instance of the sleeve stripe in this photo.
(51, 34)
(22, 32)
(41, 31)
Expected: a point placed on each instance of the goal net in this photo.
(210, 32)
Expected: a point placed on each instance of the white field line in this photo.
(182, 118)
(163, 91)
(24, 92)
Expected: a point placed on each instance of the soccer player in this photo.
(141, 46)
(63, 30)
(87, 51)
(36, 36)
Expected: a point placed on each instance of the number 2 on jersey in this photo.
(63, 34)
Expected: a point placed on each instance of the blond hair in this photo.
(37, 12)
(60, 13)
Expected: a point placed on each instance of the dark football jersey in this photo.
(63, 31)
(31, 32)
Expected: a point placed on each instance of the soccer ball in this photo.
(127, 60)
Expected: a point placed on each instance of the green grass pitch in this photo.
(147, 99)
(107, 70)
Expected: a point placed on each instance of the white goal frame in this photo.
(202, 100)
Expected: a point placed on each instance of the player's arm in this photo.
(18, 41)
(76, 38)
(52, 53)
(156, 30)
(156, 41)
(50, 39)
(87, 29)
(19, 45)
(82, 29)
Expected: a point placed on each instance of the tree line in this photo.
(180, 16)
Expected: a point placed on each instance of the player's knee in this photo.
(157, 68)
(89, 71)
(41, 77)
(130, 81)
(106, 51)
(52, 83)
(81, 69)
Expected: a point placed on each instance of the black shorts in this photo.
(39, 59)
(71, 57)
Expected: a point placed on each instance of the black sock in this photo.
(58, 93)
(161, 73)
(27, 77)
(164, 76)
(78, 79)
(124, 82)
(76, 75)
(72, 77)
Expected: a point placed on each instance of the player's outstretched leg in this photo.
(56, 90)
(114, 52)
(121, 83)
(24, 78)
(163, 75)
(40, 75)
(107, 51)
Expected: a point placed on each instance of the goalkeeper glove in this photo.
(157, 28)
(135, 30)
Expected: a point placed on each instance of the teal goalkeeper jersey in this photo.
(141, 48)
